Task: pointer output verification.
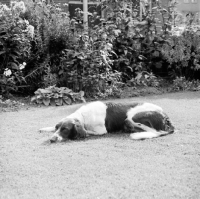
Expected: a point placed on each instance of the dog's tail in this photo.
(148, 135)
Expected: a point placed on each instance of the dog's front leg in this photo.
(47, 129)
(147, 133)
(142, 126)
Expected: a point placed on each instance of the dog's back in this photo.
(116, 113)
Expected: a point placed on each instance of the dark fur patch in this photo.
(116, 115)
(154, 120)
(78, 131)
(66, 129)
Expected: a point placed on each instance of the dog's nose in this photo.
(53, 139)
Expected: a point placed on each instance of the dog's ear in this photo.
(78, 130)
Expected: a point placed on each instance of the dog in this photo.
(141, 120)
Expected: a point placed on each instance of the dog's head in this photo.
(68, 129)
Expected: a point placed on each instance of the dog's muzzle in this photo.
(53, 139)
(56, 138)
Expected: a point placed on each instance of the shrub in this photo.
(144, 79)
(181, 84)
(138, 44)
(182, 53)
(14, 45)
(87, 63)
(51, 30)
(56, 96)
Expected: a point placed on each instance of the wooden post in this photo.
(150, 6)
(85, 14)
(141, 10)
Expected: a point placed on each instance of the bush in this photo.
(14, 46)
(181, 84)
(138, 44)
(51, 36)
(56, 96)
(183, 53)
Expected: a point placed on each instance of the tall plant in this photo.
(50, 38)
(14, 45)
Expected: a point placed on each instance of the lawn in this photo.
(107, 167)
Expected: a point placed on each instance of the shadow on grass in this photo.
(92, 137)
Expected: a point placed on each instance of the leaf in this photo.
(14, 66)
(130, 68)
(83, 99)
(46, 101)
(42, 91)
(33, 99)
(146, 76)
(81, 93)
(39, 101)
(117, 32)
(60, 72)
(59, 101)
(164, 10)
(65, 90)
(2, 52)
(158, 65)
(52, 102)
(141, 57)
(67, 100)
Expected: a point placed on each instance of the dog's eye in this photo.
(63, 128)
(57, 126)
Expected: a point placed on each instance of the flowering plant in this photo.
(15, 38)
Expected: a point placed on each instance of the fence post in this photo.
(85, 14)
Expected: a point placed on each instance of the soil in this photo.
(107, 167)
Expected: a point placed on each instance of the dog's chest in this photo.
(94, 115)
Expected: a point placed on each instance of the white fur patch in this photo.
(144, 135)
(92, 116)
(59, 138)
(143, 108)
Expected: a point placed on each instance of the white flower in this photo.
(7, 72)
(4, 7)
(26, 22)
(30, 30)
(22, 66)
(18, 6)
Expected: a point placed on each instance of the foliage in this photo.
(86, 64)
(144, 79)
(139, 42)
(5, 103)
(53, 95)
(7, 84)
(14, 46)
(51, 29)
(124, 48)
(182, 53)
(110, 51)
(181, 84)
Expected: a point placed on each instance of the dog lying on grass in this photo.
(141, 120)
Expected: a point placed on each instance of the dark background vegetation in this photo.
(119, 51)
